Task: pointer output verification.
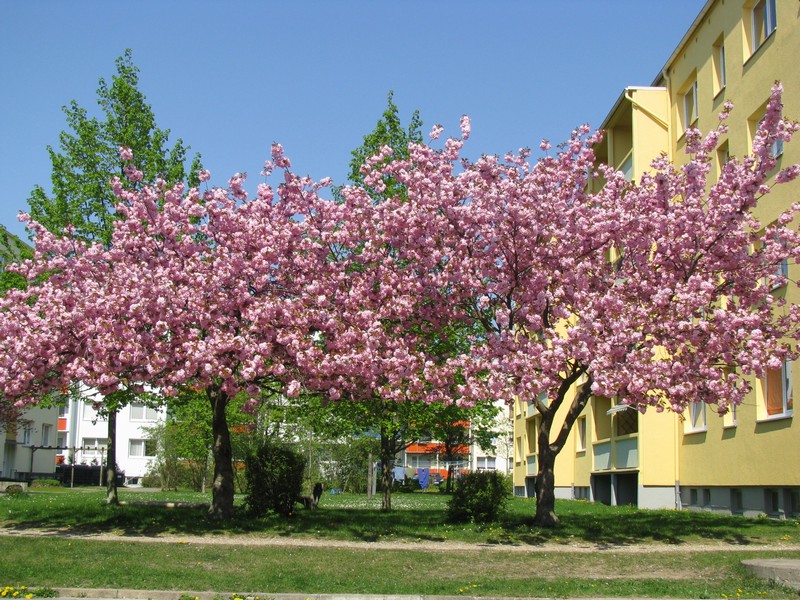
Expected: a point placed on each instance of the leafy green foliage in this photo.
(388, 132)
(12, 250)
(89, 158)
(274, 479)
(479, 497)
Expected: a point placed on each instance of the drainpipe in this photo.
(677, 424)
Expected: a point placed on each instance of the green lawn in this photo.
(491, 570)
(415, 517)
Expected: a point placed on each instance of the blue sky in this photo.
(230, 78)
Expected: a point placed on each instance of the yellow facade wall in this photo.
(745, 450)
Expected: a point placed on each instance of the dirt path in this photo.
(425, 546)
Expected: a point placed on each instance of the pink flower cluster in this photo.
(491, 279)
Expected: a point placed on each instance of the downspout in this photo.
(677, 423)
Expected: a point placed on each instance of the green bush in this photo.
(479, 497)
(37, 483)
(274, 479)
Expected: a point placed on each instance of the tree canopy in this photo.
(658, 292)
(88, 157)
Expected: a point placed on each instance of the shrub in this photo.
(274, 479)
(37, 483)
(479, 497)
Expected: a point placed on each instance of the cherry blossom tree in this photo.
(658, 293)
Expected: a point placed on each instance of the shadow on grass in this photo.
(581, 522)
(615, 526)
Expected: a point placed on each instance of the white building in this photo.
(83, 434)
(501, 458)
(28, 445)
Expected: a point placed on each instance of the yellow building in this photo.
(747, 462)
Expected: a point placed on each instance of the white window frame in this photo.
(689, 110)
(46, 431)
(723, 76)
(141, 446)
(764, 21)
(92, 446)
(696, 419)
(486, 463)
(27, 435)
(147, 413)
(786, 396)
(580, 440)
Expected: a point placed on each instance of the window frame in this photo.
(720, 66)
(696, 421)
(144, 444)
(580, 438)
(763, 21)
(146, 412)
(787, 391)
(690, 92)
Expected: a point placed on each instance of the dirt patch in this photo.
(427, 546)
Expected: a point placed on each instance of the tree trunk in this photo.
(387, 462)
(545, 483)
(222, 490)
(111, 460)
(548, 450)
(450, 471)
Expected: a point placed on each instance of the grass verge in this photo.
(225, 568)
(415, 517)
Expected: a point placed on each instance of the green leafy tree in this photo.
(392, 423)
(12, 250)
(457, 428)
(389, 131)
(82, 197)
(89, 157)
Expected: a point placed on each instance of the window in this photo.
(782, 271)
(791, 501)
(723, 156)
(754, 122)
(141, 412)
(706, 497)
(693, 497)
(63, 410)
(778, 400)
(718, 58)
(697, 418)
(627, 167)
(486, 463)
(518, 452)
(46, 433)
(689, 104)
(27, 435)
(764, 21)
(89, 413)
(142, 448)
(626, 421)
(771, 501)
(532, 427)
(94, 445)
(736, 501)
(729, 418)
(581, 438)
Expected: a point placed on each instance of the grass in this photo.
(248, 569)
(415, 517)
(658, 571)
